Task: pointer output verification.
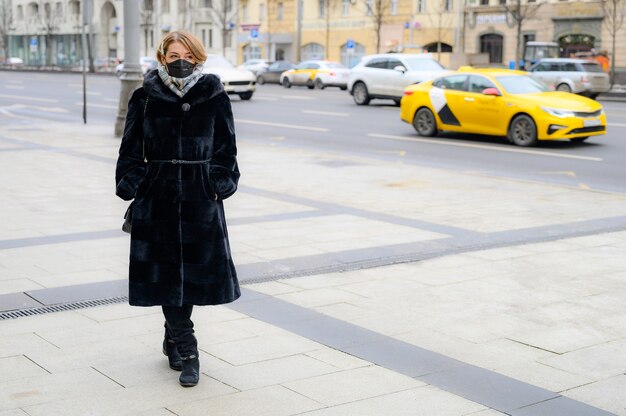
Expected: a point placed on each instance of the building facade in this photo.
(577, 26)
(48, 33)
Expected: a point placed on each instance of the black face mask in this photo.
(180, 68)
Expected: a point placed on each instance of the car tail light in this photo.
(332, 74)
(408, 92)
(583, 79)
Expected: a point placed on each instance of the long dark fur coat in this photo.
(179, 251)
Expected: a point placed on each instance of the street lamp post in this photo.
(131, 77)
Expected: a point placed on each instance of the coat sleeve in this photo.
(130, 169)
(224, 170)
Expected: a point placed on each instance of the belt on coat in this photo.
(180, 161)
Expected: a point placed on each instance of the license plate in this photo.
(591, 123)
(241, 89)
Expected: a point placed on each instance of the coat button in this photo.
(186, 107)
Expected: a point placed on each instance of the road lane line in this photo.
(616, 124)
(89, 92)
(261, 98)
(287, 126)
(22, 97)
(326, 113)
(480, 146)
(36, 108)
(14, 87)
(113, 107)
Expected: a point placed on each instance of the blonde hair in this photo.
(188, 40)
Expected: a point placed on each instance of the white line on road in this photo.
(89, 92)
(37, 108)
(287, 126)
(14, 87)
(480, 146)
(326, 113)
(111, 100)
(616, 124)
(21, 97)
(262, 98)
(113, 107)
(287, 97)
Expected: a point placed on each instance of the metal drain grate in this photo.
(21, 313)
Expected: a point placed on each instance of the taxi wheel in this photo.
(424, 122)
(286, 83)
(360, 94)
(319, 84)
(523, 131)
(563, 87)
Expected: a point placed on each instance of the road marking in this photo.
(257, 97)
(287, 126)
(480, 146)
(36, 107)
(111, 100)
(565, 172)
(113, 107)
(21, 97)
(89, 92)
(15, 81)
(616, 124)
(326, 113)
(14, 87)
(287, 97)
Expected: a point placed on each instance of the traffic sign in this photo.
(350, 44)
(254, 33)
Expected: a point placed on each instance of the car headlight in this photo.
(558, 112)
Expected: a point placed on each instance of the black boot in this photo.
(191, 371)
(170, 350)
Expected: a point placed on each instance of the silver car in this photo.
(572, 75)
(387, 75)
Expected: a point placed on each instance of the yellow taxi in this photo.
(316, 74)
(500, 102)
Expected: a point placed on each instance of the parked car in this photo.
(106, 64)
(147, 63)
(579, 76)
(316, 74)
(236, 81)
(387, 75)
(500, 102)
(272, 73)
(255, 65)
(14, 61)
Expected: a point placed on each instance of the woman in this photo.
(177, 160)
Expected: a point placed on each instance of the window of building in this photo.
(502, 2)
(33, 10)
(393, 7)
(210, 38)
(312, 51)
(20, 12)
(421, 6)
(322, 9)
(182, 6)
(244, 12)
(279, 11)
(448, 5)
(492, 44)
(206, 3)
(369, 6)
(345, 7)
(251, 52)
(228, 39)
(165, 6)
(148, 5)
(58, 12)
(484, 2)
(262, 11)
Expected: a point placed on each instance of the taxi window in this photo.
(313, 66)
(454, 82)
(302, 65)
(479, 84)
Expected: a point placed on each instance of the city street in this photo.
(382, 273)
(330, 120)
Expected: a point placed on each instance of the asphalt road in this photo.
(330, 120)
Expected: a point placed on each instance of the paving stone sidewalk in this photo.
(370, 288)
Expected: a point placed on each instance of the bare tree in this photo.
(146, 15)
(614, 13)
(223, 14)
(520, 13)
(440, 18)
(49, 25)
(6, 19)
(378, 10)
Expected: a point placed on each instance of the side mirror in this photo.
(492, 91)
(399, 68)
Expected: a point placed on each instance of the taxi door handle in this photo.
(469, 99)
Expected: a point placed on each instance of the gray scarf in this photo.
(180, 86)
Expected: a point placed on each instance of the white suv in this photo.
(387, 75)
